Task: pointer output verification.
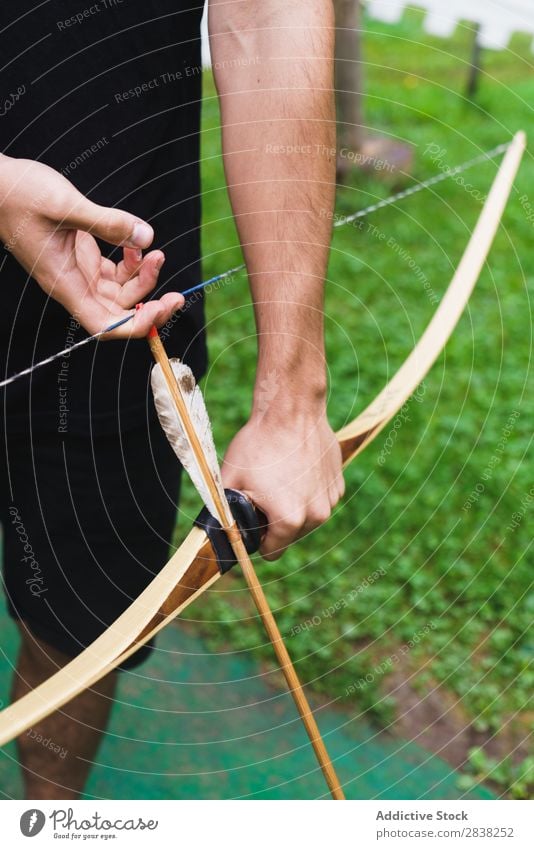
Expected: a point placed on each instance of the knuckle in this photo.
(290, 524)
(272, 547)
(114, 225)
(60, 205)
(270, 555)
(319, 515)
(336, 494)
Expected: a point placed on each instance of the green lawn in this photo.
(460, 578)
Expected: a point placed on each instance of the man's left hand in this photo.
(292, 471)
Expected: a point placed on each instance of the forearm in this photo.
(273, 65)
(5, 186)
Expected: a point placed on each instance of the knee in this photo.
(40, 654)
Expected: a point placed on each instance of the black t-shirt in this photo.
(108, 93)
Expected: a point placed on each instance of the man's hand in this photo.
(50, 227)
(291, 469)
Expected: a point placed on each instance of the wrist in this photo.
(284, 394)
(291, 375)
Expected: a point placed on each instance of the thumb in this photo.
(112, 225)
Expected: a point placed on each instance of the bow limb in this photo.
(189, 572)
(193, 568)
(356, 435)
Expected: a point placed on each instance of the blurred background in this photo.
(409, 615)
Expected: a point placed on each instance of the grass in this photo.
(458, 576)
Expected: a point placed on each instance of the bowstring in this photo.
(65, 352)
(338, 222)
(425, 184)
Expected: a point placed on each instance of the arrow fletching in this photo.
(202, 466)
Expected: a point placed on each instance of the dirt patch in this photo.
(438, 721)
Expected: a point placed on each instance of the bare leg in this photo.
(56, 754)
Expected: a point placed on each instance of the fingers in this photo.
(107, 301)
(289, 523)
(136, 289)
(293, 524)
(336, 489)
(112, 225)
(132, 260)
(153, 312)
(282, 531)
(133, 279)
(292, 473)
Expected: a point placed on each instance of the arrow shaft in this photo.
(253, 584)
(286, 665)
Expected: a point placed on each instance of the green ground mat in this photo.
(190, 724)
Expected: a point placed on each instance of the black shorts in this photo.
(87, 524)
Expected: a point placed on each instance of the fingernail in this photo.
(138, 255)
(141, 235)
(159, 263)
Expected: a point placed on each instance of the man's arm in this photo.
(273, 66)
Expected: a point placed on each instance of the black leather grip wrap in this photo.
(251, 523)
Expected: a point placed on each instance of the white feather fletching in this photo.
(176, 434)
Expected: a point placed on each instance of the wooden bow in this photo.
(193, 568)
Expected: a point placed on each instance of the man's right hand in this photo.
(49, 227)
